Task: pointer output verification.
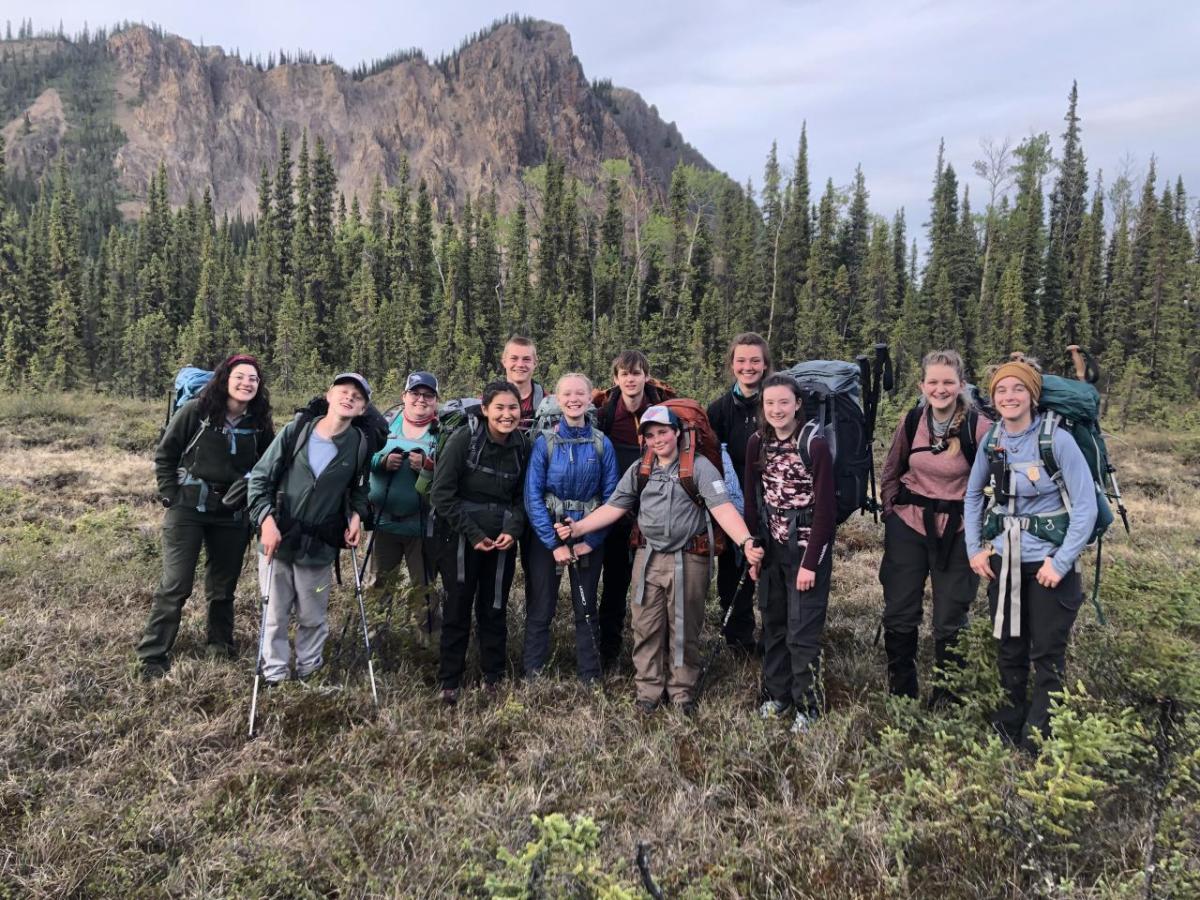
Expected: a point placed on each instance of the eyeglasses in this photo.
(423, 396)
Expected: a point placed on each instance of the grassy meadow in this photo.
(111, 787)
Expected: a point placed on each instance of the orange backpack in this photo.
(697, 437)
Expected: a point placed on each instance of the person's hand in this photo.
(562, 555)
(755, 568)
(981, 564)
(485, 545)
(353, 531)
(416, 459)
(393, 460)
(564, 530)
(504, 541)
(805, 579)
(1047, 576)
(270, 537)
(582, 549)
(754, 553)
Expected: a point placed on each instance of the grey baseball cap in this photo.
(659, 415)
(355, 379)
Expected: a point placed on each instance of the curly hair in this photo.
(214, 396)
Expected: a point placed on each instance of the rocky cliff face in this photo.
(468, 124)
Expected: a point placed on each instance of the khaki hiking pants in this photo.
(654, 631)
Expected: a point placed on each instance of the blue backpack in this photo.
(188, 384)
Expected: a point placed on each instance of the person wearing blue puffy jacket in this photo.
(572, 470)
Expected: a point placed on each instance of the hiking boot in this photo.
(803, 723)
(773, 709)
(901, 649)
(646, 707)
(449, 696)
(220, 652)
(153, 671)
(688, 708)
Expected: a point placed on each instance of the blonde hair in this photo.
(561, 378)
(953, 360)
(949, 358)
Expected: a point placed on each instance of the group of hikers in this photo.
(612, 489)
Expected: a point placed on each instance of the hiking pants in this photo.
(740, 630)
(477, 591)
(793, 622)
(185, 531)
(908, 560)
(541, 599)
(1047, 615)
(306, 590)
(386, 556)
(614, 598)
(655, 636)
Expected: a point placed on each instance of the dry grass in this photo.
(112, 787)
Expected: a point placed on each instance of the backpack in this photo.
(834, 409)
(697, 437)
(467, 412)
(545, 423)
(1073, 406)
(188, 383)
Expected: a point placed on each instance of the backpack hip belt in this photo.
(557, 507)
(941, 546)
(501, 557)
(702, 543)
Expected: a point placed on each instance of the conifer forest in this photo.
(1052, 254)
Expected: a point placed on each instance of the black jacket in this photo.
(734, 419)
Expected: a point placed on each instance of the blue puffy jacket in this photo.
(574, 474)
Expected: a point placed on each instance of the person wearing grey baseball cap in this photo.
(672, 565)
(401, 473)
(355, 379)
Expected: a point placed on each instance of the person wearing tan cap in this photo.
(1039, 527)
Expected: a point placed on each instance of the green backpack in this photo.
(1074, 406)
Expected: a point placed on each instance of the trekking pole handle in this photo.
(570, 543)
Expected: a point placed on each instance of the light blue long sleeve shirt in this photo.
(1034, 497)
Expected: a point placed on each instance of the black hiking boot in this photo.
(901, 648)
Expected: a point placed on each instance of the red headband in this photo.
(239, 358)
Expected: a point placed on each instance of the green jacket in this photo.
(197, 461)
(308, 502)
(401, 510)
(480, 495)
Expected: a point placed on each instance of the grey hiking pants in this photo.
(305, 589)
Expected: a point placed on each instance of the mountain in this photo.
(470, 122)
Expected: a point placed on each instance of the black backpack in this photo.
(833, 406)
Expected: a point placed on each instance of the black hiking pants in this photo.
(614, 598)
(224, 538)
(740, 630)
(793, 622)
(1047, 615)
(541, 600)
(477, 591)
(908, 562)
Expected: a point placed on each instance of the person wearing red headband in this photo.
(201, 464)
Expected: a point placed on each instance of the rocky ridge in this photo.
(466, 124)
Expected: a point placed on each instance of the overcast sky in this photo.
(879, 83)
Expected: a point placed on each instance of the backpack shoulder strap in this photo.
(809, 432)
(1050, 423)
(991, 441)
(966, 436)
(911, 421)
(645, 465)
(687, 465)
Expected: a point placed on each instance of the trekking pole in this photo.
(362, 611)
(262, 640)
(870, 399)
(716, 651)
(573, 567)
